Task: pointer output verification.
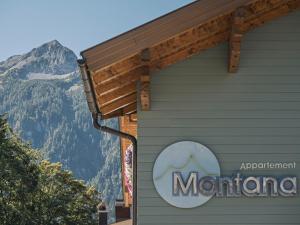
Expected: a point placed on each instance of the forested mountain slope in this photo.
(42, 93)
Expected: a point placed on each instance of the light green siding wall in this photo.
(250, 116)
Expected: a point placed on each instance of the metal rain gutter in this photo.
(96, 114)
(87, 85)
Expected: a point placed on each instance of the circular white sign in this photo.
(183, 158)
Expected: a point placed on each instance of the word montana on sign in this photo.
(187, 174)
(233, 187)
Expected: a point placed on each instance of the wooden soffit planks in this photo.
(118, 64)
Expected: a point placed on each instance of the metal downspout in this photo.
(91, 99)
(134, 145)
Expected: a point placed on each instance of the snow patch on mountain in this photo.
(45, 76)
(75, 87)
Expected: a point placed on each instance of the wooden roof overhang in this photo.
(111, 70)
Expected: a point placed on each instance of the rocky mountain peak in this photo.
(51, 58)
(50, 48)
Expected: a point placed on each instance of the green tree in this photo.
(19, 175)
(35, 191)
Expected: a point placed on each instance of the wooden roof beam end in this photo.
(145, 81)
(235, 39)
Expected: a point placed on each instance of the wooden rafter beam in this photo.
(235, 39)
(145, 81)
(145, 92)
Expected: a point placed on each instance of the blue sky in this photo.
(77, 24)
